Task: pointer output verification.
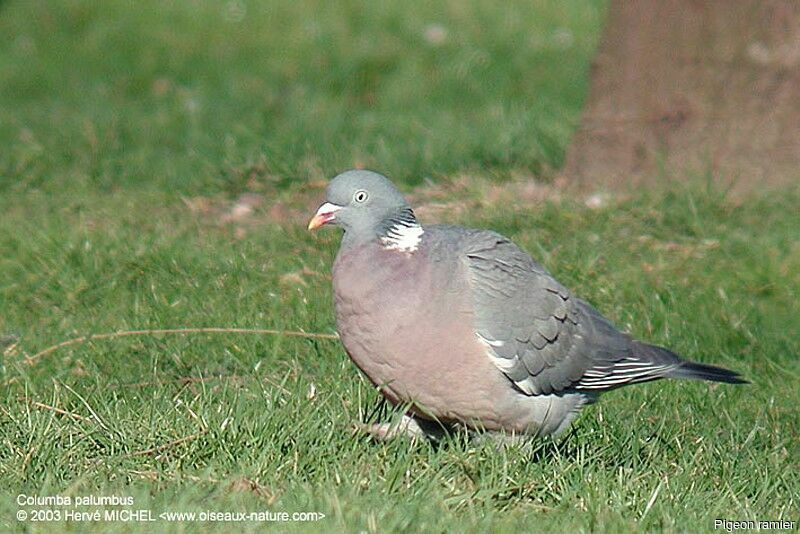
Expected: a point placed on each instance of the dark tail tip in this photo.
(685, 369)
(701, 371)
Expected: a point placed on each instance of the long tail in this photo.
(701, 371)
(681, 368)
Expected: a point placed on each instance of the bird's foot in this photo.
(407, 426)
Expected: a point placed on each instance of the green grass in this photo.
(179, 97)
(116, 123)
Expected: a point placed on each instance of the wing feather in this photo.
(540, 336)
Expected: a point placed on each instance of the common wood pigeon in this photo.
(462, 327)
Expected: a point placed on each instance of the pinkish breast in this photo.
(409, 328)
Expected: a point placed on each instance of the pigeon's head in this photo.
(359, 201)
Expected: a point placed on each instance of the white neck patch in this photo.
(403, 237)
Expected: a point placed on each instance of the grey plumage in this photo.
(466, 327)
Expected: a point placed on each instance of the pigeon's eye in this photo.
(361, 196)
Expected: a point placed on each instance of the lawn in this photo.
(158, 164)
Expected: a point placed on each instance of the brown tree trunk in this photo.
(693, 86)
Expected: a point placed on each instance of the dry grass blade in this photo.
(42, 406)
(168, 445)
(182, 331)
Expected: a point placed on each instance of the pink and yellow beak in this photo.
(325, 214)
